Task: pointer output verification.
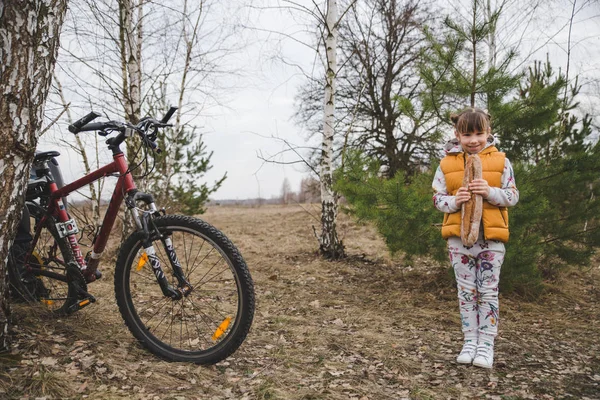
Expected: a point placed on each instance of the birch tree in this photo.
(29, 40)
(324, 20)
(330, 245)
(130, 44)
(379, 106)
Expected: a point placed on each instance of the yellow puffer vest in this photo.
(495, 219)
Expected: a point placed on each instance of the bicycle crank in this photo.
(78, 287)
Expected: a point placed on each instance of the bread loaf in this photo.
(472, 209)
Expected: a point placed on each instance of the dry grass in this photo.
(368, 327)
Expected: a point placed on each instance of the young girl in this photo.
(477, 268)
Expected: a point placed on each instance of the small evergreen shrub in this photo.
(554, 224)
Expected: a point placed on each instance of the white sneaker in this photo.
(485, 356)
(467, 354)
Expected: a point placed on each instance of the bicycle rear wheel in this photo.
(37, 270)
(208, 324)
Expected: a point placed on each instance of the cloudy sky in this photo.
(260, 113)
(255, 117)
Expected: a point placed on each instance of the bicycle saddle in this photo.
(45, 156)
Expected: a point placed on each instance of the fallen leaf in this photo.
(49, 361)
(82, 387)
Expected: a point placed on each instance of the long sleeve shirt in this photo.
(507, 195)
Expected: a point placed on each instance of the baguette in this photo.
(471, 211)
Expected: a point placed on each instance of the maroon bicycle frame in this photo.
(124, 185)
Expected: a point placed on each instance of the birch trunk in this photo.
(131, 58)
(132, 47)
(29, 33)
(330, 246)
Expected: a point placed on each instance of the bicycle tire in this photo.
(26, 284)
(213, 304)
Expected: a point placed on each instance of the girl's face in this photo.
(472, 142)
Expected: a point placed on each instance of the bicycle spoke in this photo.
(207, 272)
(202, 315)
(161, 321)
(211, 279)
(197, 255)
(148, 277)
(198, 333)
(211, 306)
(185, 253)
(166, 302)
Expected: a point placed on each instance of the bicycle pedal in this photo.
(81, 303)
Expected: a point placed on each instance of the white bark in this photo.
(131, 47)
(29, 32)
(329, 243)
(133, 56)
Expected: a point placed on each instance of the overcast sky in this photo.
(262, 112)
(260, 108)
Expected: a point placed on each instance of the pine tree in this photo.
(458, 66)
(180, 167)
(541, 122)
(535, 117)
(555, 223)
(402, 213)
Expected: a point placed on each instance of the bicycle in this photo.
(201, 313)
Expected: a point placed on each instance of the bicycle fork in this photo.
(183, 288)
(151, 232)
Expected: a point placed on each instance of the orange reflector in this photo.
(142, 262)
(221, 329)
(47, 302)
(37, 258)
(84, 302)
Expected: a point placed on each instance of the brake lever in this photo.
(148, 140)
(152, 144)
(156, 125)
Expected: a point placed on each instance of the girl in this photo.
(476, 268)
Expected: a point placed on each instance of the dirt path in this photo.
(369, 327)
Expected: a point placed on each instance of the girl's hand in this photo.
(481, 187)
(462, 196)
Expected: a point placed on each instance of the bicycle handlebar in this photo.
(168, 115)
(142, 128)
(76, 126)
(96, 126)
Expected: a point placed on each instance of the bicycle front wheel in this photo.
(209, 323)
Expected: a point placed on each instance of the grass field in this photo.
(367, 327)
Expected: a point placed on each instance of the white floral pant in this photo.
(477, 272)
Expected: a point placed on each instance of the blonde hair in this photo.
(471, 120)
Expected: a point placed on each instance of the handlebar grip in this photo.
(168, 115)
(76, 126)
(97, 126)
